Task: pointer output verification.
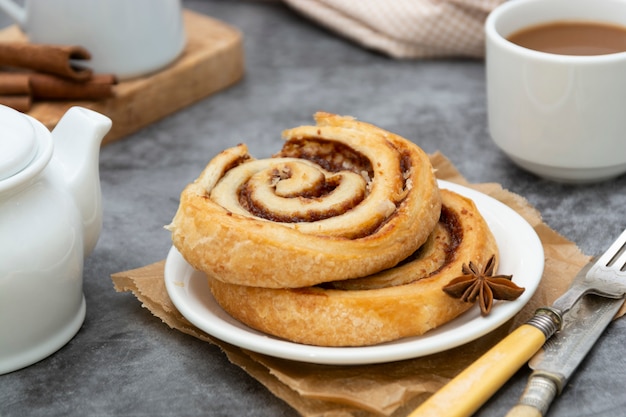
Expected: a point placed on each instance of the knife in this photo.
(479, 381)
(555, 363)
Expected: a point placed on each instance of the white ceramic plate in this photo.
(521, 254)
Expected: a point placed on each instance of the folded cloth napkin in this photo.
(406, 28)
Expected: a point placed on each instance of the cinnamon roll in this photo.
(403, 301)
(342, 199)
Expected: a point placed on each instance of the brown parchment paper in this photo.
(389, 389)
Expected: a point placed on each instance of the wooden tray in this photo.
(213, 59)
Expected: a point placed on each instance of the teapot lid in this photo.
(18, 142)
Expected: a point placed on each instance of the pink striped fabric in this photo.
(405, 28)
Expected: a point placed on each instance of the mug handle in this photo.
(15, 12)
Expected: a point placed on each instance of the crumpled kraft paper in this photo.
(389, 389)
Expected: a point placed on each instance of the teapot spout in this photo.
(77, 138)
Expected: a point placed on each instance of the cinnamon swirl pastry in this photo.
(342, 199)
(403, 301)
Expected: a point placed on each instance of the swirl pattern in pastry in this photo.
(342, 199)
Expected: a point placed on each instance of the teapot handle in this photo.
(15, 12)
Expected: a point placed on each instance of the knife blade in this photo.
(556, 362)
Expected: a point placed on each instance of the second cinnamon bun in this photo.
(407, 300)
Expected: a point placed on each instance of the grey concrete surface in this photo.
(125, 362)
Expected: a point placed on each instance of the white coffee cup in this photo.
(128, 38)
(561, 117)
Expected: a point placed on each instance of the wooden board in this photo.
(212, 60)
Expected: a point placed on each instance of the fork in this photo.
(606, 278)
(464, 394)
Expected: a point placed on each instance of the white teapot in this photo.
(50, 220)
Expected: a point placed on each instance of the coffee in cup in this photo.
(573, 38)
(558, 114)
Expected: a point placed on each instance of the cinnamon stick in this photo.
(49, 87)
(14, 84)
(18, 102)
(50, 59)
(15, 91)
(19, 89)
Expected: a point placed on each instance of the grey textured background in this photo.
(125, 362)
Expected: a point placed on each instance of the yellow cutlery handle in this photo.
(522, 410)
(469, 390)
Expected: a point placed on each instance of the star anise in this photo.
(476, 284)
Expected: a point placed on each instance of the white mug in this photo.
(562, 117)
(128, 38)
